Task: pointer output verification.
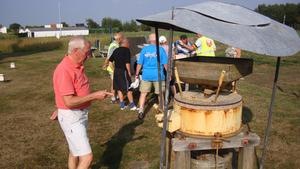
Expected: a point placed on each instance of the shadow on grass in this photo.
(150, 102)
(15, 54)
(112, 156)
(293, 93)
(247, 116)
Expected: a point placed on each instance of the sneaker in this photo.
(134, 108)
(114, 101)
(122, 108)
(141, 115)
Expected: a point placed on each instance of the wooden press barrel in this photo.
(206, 118)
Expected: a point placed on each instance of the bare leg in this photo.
(173, 89)
(112, 89)
(163, 99)
(142, 99)
(73, 161)
(130, 97)
(85, 161)
(121, 97)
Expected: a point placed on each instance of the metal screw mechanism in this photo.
(247, 133)
(182, 138)
(245, 142)
(192, 145)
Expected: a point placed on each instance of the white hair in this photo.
(152, 38)
(77, 42)
(117, 36)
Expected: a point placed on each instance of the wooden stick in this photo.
(178, 81)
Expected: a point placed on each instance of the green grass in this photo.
(30, 140)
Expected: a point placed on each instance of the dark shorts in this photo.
(121, 81)
(172, 81)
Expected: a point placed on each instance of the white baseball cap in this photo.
(162, 39)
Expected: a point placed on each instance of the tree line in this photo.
(128, 26)
(288, 14)
(116, 23)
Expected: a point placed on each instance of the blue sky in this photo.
(45, 12)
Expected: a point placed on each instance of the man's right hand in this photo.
(180, 42)
(104, 67)
(101, 95)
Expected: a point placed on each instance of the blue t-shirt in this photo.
(182, 49)
(148, 58)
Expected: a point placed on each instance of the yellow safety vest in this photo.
(110, 46)
(207, 47)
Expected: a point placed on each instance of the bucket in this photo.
(2, 78)
(12, 65)
(202, 118)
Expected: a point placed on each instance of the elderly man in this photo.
(204, 46)
(73, 97)
(148, 59)
(114, 45)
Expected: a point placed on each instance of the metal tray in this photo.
(201, 70)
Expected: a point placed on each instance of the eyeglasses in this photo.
(87, 53)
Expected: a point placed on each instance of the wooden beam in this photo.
(205, 144)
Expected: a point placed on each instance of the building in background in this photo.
(54, 26)
(3, 29)
(54, 30)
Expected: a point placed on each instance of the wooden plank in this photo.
(205, 144)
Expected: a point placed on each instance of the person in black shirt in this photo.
(122, 75)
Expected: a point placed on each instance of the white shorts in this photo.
(74, 125)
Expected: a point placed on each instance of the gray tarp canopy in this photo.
(233, 25)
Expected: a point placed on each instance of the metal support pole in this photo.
(158, 65)
(59, 19)
(164, 131)
(270, 113)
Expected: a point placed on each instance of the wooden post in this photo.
(246, 158)
(169, 152)
(182, 160)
